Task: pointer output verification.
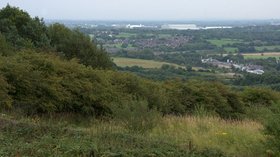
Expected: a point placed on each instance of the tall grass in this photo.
(61, 136)
(234, 138)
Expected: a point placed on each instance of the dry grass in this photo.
(237, 138)
(234, 138)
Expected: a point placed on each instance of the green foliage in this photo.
(43, 83)
(5, 99)
(21, 30)
(26, 138)
(5, 47)
(258, 113)
(212, 96)
(259, 96)
(74, 44)
(38, 83)
(272, 129)
(52, 141)
(137, 117)
(200, 111)
(24, 32)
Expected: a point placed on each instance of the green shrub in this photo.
(212, 96)
(200, 111)
(137, 117)
(5, 99)
(74, 44)
(5, 47)
(21, 30)
(44, 83)
(272, 130)
(259, 96)
(258, 113)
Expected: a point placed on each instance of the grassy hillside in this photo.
(174, 136)
(60, 96)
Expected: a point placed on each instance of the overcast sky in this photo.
(150, 9)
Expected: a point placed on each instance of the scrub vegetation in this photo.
(61, 95)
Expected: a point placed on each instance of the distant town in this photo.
(254, 69)
(177, 25)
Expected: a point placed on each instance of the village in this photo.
(254, 69)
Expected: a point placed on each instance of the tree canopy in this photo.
(19, 30)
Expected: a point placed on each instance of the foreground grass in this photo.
(234, 138)
(173, 136)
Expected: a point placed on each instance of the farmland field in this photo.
(129, 62)
(165, 35)
(230, 49)
(125, 35)
(261, 55)
(224, 42)
(263, 48)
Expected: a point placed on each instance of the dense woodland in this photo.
(52, 70)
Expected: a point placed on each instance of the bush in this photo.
(44, 84)
(137, 117)
(5, 99)
(21, 30)
(258, 113)
(5, 48)
(272, 129)
(74, 44)
(211, 96)
(259, 96)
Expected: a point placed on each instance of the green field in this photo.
(267, 48)
(230, 49)
(125, 35)
(224, 42)
(117, 46)
(261, 55)
(164, 35)
(129, 62)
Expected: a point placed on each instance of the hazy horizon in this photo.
(144, 10)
